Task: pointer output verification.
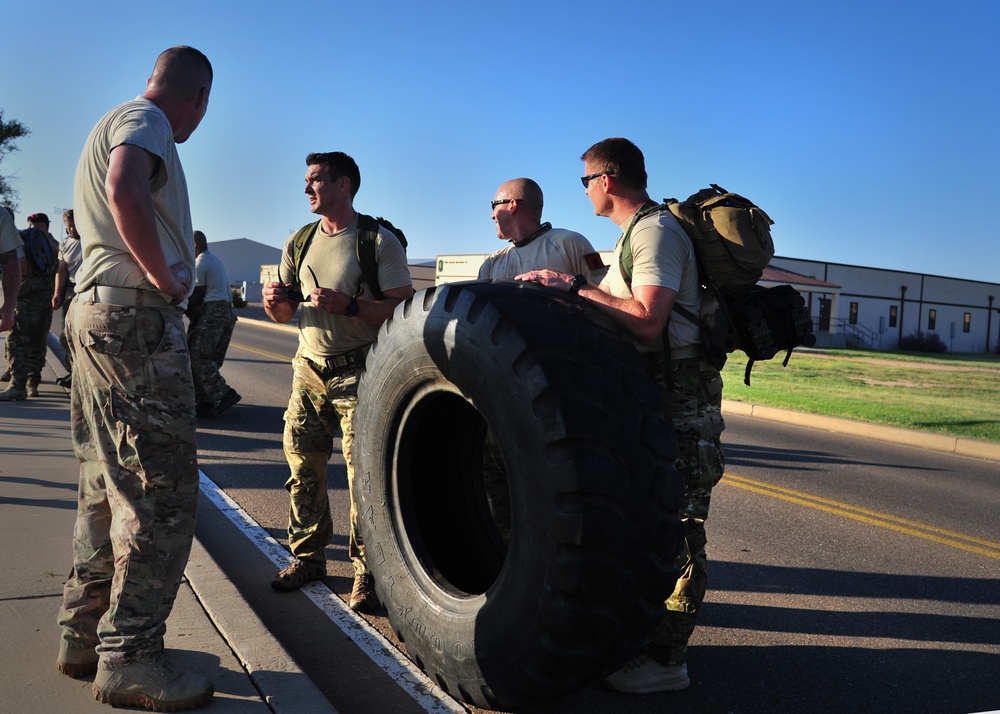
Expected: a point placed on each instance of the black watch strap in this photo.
(579, 281)
(352, 308)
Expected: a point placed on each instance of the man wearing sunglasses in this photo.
(664, 274)
(517, 213)
(340, 319)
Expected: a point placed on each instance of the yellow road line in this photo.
(990, 549)
(263, 353)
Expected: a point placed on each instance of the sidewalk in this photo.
(38, 477)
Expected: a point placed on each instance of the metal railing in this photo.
(857, 335)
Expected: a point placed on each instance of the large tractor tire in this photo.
(518, 500)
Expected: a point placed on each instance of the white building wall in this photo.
(877, 291)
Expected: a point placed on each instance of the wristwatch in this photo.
(352, 308)
(578, 282)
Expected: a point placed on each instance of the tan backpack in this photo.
(732, 241)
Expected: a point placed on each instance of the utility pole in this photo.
(989, 323)
(902, 302)
(59, 216)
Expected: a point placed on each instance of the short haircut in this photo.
(337, 164)
(619, 157)
(68, 215)
(177, 64)
(200, 240)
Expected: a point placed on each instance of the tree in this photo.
(10, 132)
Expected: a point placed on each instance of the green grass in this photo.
(957, 395)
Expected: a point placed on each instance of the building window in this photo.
(853, 319)
(893, 315)
(967, 322)
(931, 319)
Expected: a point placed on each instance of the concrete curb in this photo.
(907, 437)
(264, 658)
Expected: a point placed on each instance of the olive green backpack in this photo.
(367, 234)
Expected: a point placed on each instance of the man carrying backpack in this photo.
(340, 318)
(26, 344)
(664, 275)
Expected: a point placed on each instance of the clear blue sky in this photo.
(868, 130)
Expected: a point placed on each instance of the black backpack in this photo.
(38, 249)
(367, 234)
(732, 253)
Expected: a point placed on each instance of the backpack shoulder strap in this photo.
(367, 235)
(300, 243)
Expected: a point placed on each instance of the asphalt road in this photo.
(846, 574)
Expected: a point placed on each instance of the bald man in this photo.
(517, 213)
(133, 403)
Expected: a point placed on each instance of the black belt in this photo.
(660, 358)
(354, 358)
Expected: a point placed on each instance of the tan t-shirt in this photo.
(10, 239)
(106, 258)
(662, 256)
(211, 273)
(334, 260)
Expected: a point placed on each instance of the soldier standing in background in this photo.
(27, 341)
(212, 319)
(70, 258)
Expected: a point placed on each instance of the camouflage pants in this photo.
(26, 343)
(208, 341)
(133, 433)
(63, 338)
(693, 392)
(321, 401)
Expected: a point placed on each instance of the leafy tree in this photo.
(10, 132)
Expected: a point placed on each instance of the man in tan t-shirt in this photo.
(664, 275)
(339, 320)
(10, 267)
(132, 408)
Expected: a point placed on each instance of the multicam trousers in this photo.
(26, 343)
(133, 433)
(693, 391)
(63, 338)
(208, 341)
(322, 400)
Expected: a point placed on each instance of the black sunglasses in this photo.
(585, 180)
(494, 204)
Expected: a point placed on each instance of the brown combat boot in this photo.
(363, 595)
(299, 573)
(153, 683)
